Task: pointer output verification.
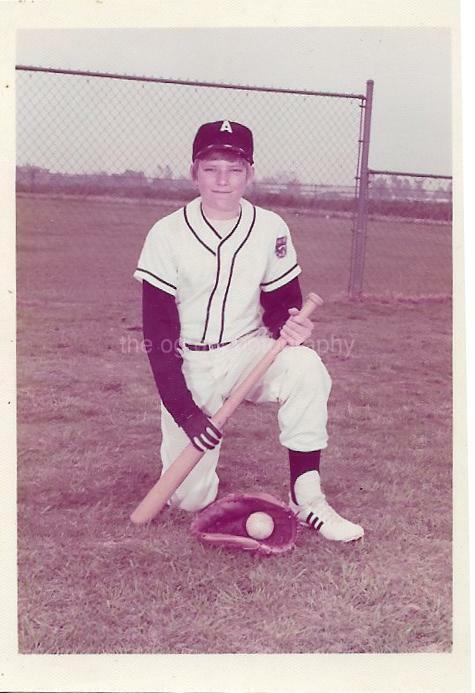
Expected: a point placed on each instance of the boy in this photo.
(220, 282)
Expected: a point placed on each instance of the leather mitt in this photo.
(223, 523)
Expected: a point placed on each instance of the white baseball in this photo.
(259, 525)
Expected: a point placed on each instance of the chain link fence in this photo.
(417, 196)
(409, 235)
(88, 133)
(128, 140)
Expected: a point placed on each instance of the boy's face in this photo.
(222, 179)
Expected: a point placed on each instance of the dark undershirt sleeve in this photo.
(276, 305)
(161, 330)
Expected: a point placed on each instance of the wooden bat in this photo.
(177, 472)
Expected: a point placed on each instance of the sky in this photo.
(411, 69)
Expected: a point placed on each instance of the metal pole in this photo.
(360, 227)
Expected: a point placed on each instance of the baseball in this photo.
(259, 525)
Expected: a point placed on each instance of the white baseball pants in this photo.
(297, 380)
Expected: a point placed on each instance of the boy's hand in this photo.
(296, 330)
(201, 431)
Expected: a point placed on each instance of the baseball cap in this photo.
(224, 135)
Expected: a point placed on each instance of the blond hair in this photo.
(228, 156)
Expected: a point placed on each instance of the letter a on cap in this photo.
(226, 126)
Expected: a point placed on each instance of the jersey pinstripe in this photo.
(216, 281)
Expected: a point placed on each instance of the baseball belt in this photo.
(210, 347)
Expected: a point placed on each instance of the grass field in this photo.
(88, 441)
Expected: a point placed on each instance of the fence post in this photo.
(358, 246)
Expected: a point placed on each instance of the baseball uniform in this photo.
(217, 290)
(217, 283)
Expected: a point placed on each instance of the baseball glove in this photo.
(223, 523)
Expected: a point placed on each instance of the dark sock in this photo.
(301, 462)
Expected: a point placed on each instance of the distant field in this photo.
(89, 438)
(403, 259)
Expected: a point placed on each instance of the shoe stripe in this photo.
(314, 521)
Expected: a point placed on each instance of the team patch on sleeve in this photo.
(282, 264)
(281, 246)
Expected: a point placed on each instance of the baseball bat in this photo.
(177, 472)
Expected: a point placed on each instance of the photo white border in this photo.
(223, 673)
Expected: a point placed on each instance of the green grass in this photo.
(90, 582)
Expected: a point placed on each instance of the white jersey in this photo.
(216, 280)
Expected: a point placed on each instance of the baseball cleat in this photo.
(313, 510)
